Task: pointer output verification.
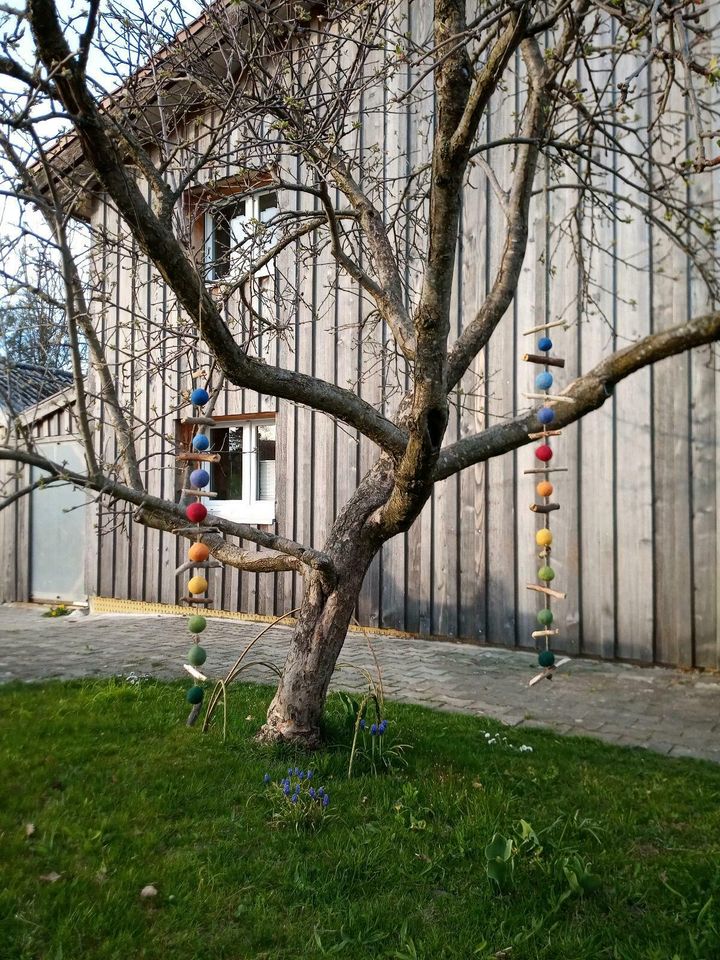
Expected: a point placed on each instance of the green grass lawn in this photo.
(122, 794)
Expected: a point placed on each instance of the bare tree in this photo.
(271, 93)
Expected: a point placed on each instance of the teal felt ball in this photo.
(194, 695)
(544, 381)
(545, 617)
(546, 658)
(197, 655)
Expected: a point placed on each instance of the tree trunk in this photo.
(295, 712)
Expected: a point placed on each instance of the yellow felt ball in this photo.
(197, 585)
(543, 538)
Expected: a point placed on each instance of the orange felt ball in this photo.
(197, 585)
(545, 488)
(198, 552)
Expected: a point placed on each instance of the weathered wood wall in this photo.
(636, 542)
(15, 520)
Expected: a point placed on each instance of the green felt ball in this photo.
(546, 573)
(194, 695)
(197, 624)
(546, 658)
(545, 617)
(197, 655)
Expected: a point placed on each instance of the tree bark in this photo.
(295, 712)
(356, 536)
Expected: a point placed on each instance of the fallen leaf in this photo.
(148, 891)
(29, 829)
(51, 877)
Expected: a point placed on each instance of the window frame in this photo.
(252, 202)
(249, 508)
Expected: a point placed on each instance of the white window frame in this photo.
(248, 509)
(237, 230)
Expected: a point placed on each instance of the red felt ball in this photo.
(544, 453)
(196, 513)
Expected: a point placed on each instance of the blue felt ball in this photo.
(546, 415)
(544, 343)
(199, 397)
(201, 442)
(544, 381)
(199, 478)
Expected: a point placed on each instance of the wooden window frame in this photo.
(249, 508)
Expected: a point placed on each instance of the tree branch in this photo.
(481, 328)
(589, 393)
(165, 515)
(159, 243)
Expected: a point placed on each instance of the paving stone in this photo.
(667, 711)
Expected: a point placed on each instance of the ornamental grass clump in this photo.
(296, 799)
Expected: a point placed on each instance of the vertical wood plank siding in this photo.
(15, 520)
(636, 541)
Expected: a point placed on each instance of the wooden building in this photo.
(36, 405)
(637, 537)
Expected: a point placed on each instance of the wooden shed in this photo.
(36, 406)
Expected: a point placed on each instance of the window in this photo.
(237, 235)
(244, 477)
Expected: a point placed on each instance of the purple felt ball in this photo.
(199, 397)
(546, 414)
(201, 442)
(544, 381)
(199, 478)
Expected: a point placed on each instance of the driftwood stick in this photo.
(544, 507)
(198, 457)
(201, 676)
(547, 591)
(191, 564)
(549, 397)
(189, 600)
(198, 374)
(192, 492)
(546, 361)
(198, 531)
(545, 433)
(544, 633)
(544, 326)
(548, 470)
(203, 421)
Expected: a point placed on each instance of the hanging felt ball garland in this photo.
(199, 553)
(544, 490)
